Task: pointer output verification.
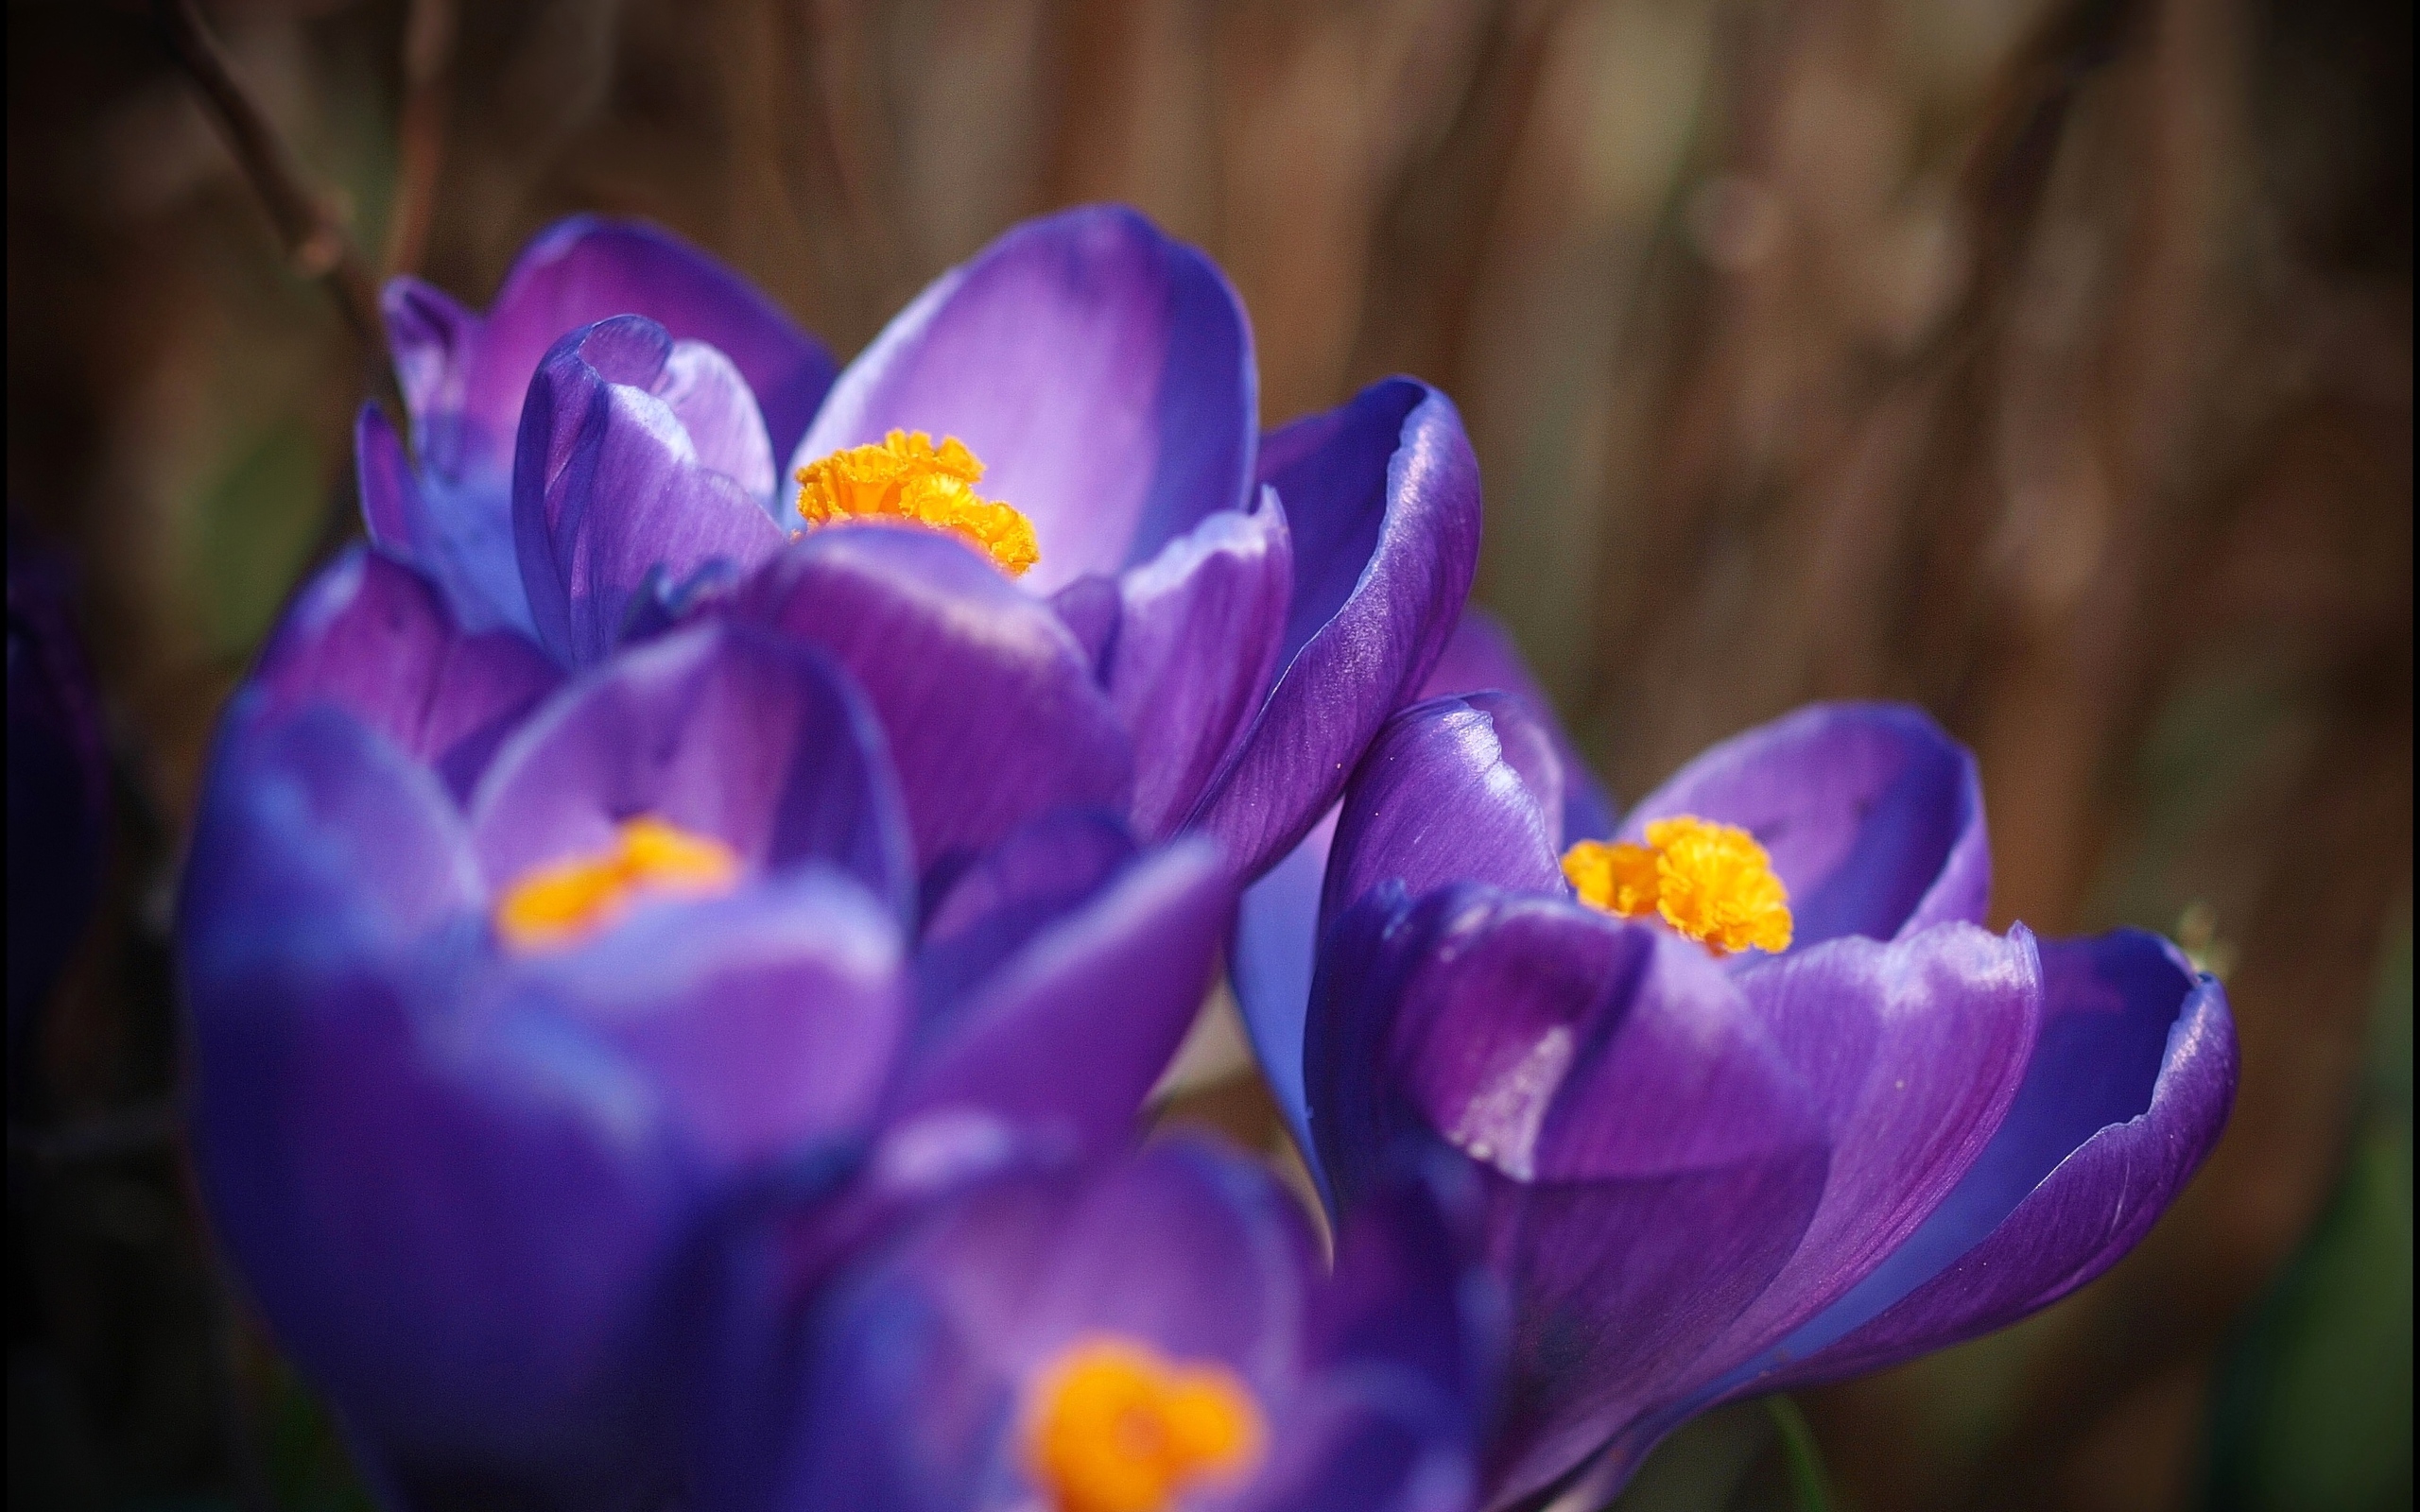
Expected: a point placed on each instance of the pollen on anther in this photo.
(1116, 1427)
(906, 477)
(561, 903)
(1712, 883)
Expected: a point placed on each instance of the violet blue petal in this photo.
(990, 706)
(1913, 1051)
(460, 534)
(1067, 1036)
(1102, 372)
(765, 1019)
(1270, 959)
(1648, 1157)
(722, 730)
(2127, 1091)
(1195, 650)
(1045, 870)
(1382, 497)
(1090, 608)
(373, 638)
(390, 502)
(58, 784)
(1450, 792)
(1873, 815)
(465, 376)
(609, 484)
(922, 1363)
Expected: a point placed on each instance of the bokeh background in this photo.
(2048, 362)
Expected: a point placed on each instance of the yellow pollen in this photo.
(1711, 882)
(563, 902)
(904, 478)
(1115, 1427)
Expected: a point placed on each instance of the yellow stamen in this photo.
(904, 478)
(560, 903)
(1115, 1427)
(1711, 882)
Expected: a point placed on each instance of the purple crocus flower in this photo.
(1714, 1169)
(1145, 1337)
(508, 984)
(1239, 613)
(57, 783)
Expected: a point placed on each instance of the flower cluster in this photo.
(683, 922)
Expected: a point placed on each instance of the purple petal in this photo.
(1101, 372)
(765, 1019)
(721, 729)
(991, 708)
(458, 534)
(1648, 1157)
(1874, 818)
(390, 503)
(1913, 1051)
(1068, 1035)
(1482, 656)
(2127, 1091)
(609, 485)
(465, 377)
(1383, 500)
(1449, 792)
(1269, 963)
(1042, 871)
(371, 637)
(1195, 650)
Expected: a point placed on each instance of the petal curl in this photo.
(609, 485)
(371, 637)
(723, 731)
(1102, 372)
(991, 708)
(1382, 497)
(1873, 815)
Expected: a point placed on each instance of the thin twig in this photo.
(428, 61)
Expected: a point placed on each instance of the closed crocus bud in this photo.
(508, 987)
(1753, 1098)
(1154, 1335)
(57, 783)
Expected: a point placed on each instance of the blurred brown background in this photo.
(2048, 362)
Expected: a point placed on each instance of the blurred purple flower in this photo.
(506, 984)
(58, 793)
(1231, 617)
(1150, 1335)
(1708, 1176)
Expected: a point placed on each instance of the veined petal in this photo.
(721, 729)
(465, 376)
(1102, 372)
(371, 637)
(1481, 657)
(1043, 872)
(459, 533)
(991, 708)
(2128, 1089)
(609, 484)
(1110, 987)
(1382, 497)
(1195, 650)
(1873, 816)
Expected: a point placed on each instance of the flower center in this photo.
(1711, 882)
(1117, 1428)
(903, 477)
(564, 901)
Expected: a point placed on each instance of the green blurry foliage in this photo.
(253, 527)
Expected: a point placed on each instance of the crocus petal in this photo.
(1111, 988)
(1449, 793)
(1271, 958)
(391, 504)
(1913, 1051)
(2128, 1089)
(1045, 870)
(1650, 1158)
(1873, 815)
(1383, 499)
(912, 1399)
(1102, 372)
(465, 377)
(991, 708)
(765, 1019)
(460, 534)
(371, 637)
(608, 485)
(721, 729)
(1195, 650)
